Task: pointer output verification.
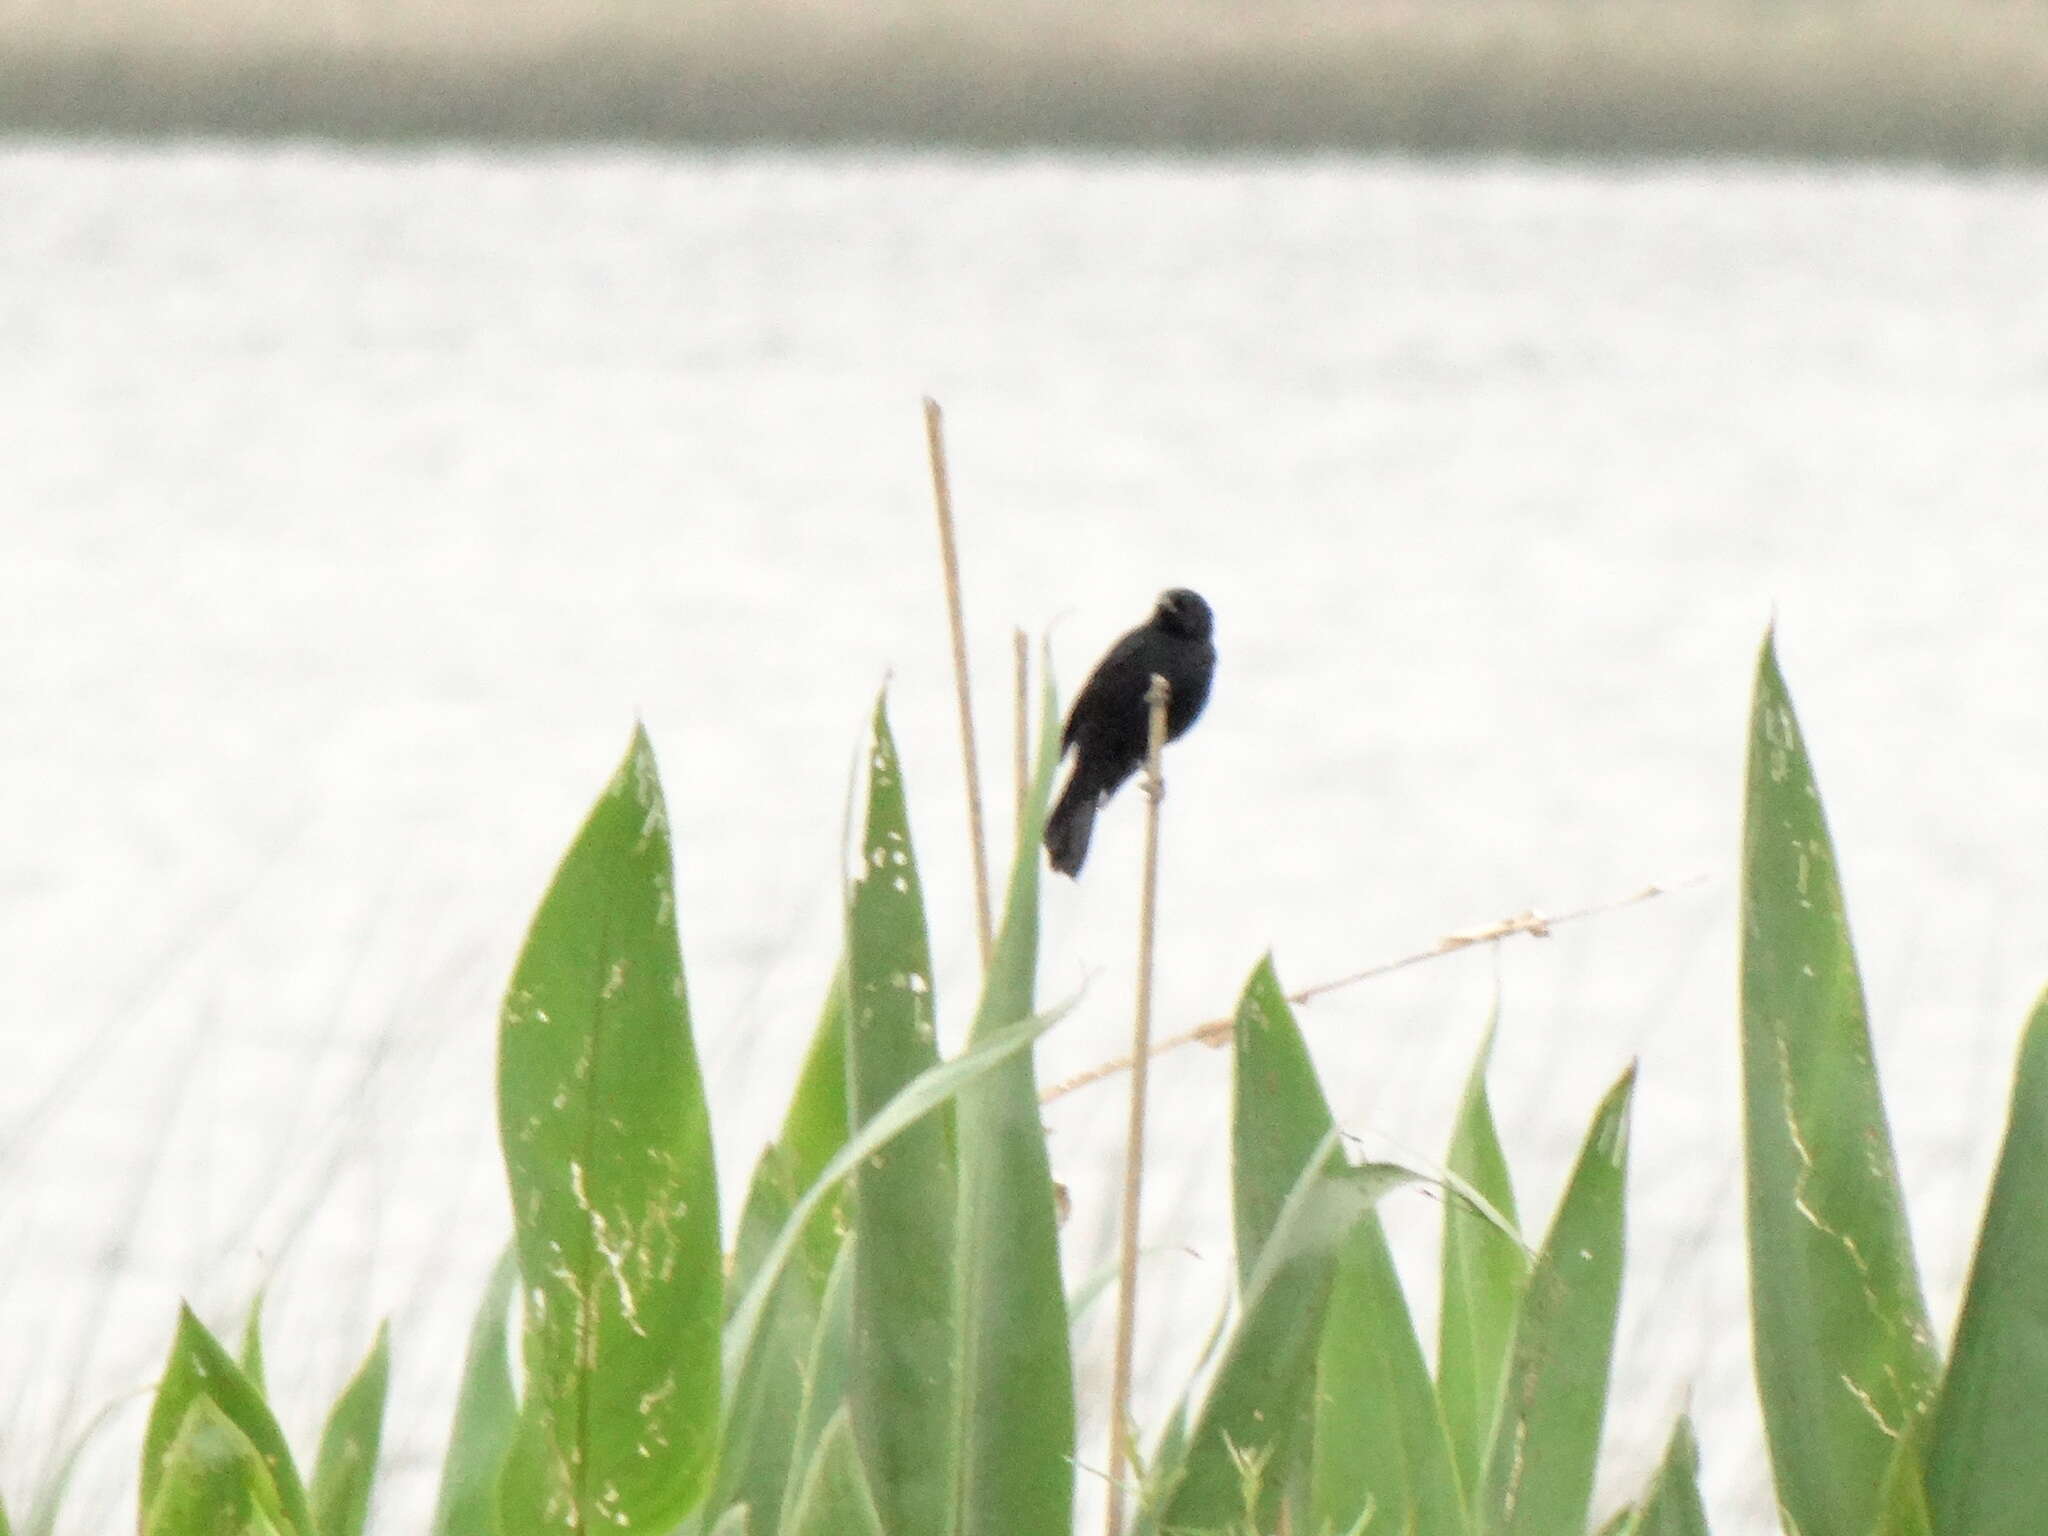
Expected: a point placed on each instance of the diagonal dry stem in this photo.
(1533, 924)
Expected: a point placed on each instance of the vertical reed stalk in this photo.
(942, 496)
(1134, 1140)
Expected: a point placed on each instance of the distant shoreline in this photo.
(1898, 81)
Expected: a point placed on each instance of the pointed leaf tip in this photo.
(606, 1138)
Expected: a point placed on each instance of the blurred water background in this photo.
(356, 503)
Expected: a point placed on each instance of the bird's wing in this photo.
(1106, 677)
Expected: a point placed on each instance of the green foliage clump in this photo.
(888, 1349)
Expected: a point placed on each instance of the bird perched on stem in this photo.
(1107, 727)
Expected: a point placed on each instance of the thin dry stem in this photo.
(1534, 924)
(1134, 1139)
(942, 496)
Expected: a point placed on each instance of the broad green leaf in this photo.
(486, 1416)
(346, 1471)
(614, 1200)
(6, 1529)
(812, 1131)
(902, 1396)
(825, 1375)
(1380, 1443)
(1845, 1359)
(213, 1481)
(769, 1199)
(1258, 1397)
(1279, 1116)
(1015, 1373)
(763, 1403)
(200, 1368)
(836, 1499)
(1986, 1474)
(1377, 1438)
(1673, 1507)
(1483, 1272)
(815, 1128)
(918, 1098)
(1538, 1475)
(252, 1346)
(1902, 1502)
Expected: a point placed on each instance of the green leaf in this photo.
(200, 1368)
(1845, 1359)
(6, 1529)
(756, 1462)
(764, 1401)
(1256, 1401)
(919, 1098)
(1902, 1501)
(1377, 1437)
(902, 1397)
(1015, 1373)
(1380, 1442)
(486, 1416)
(252, 1346)
(213, 1480)
(1161, 1476)
(1279, 1116)
(1538, 1476)
(1985, 1471)
(816, 1127)
(825, 1376)
(836, 1499)
(1673, 1506)
(1483, 1273)
(767, 1206)
(346, 1470)
(615, 1203)
(812, 1131)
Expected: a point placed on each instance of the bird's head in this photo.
(1181, 612)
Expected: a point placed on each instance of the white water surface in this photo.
(355, 505)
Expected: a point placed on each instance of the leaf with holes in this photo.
(614, 1201)
(1845, 1359)
(901, 1400)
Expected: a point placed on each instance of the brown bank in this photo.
(1955, 81)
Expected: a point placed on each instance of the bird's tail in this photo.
(1070, 825)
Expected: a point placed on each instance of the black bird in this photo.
(1107, 727)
